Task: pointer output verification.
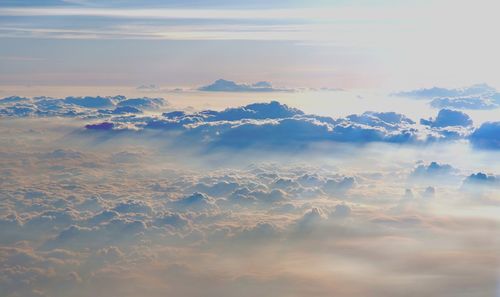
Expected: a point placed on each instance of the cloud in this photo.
(105, 126)
(481, 179)
(134, 207)
(487, 136)
(254, 125)
(475, 97)
(83, 107)
(197, 202)
(223, 85)
(174, 220)
(339, 186)
(433, 170)
(143, 103)
(14, 99)
(91, 102)
(447, 118)
(277, 125)
(436, 92)
(478, 103)
(153, 225)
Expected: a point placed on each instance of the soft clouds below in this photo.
(122, 207)
(148, 226)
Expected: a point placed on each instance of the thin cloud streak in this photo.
(325, 14)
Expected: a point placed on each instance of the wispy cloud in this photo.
(324, 14)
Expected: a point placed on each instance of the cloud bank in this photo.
(280, 126)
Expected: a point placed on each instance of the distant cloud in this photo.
(473, 103)
(143, 103)
(222, 85)
(101, 126)
(436, 92)
(91, 102)
(481, 179)
(14, 99)
(150, 87)
(433, 172)
(475, 97)
(87, 106)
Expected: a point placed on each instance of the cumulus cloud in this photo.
(254, 125)
(433, 170)
(222, 85)
(447, 118)
(487, 136)
(275, 124)
(481, 179)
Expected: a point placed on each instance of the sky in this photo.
(259, 148)
(345, 44)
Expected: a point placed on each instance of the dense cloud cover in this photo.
(480, 96)
(126, 217)
(116, 226)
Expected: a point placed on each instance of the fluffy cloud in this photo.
(433, 170)
(447, 118)
(487, 136)
(274, 124)
(223, 85)
(479, 180)
(254, 125)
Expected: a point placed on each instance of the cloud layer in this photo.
(111, 210)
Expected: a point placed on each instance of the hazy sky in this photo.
(348, 44)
